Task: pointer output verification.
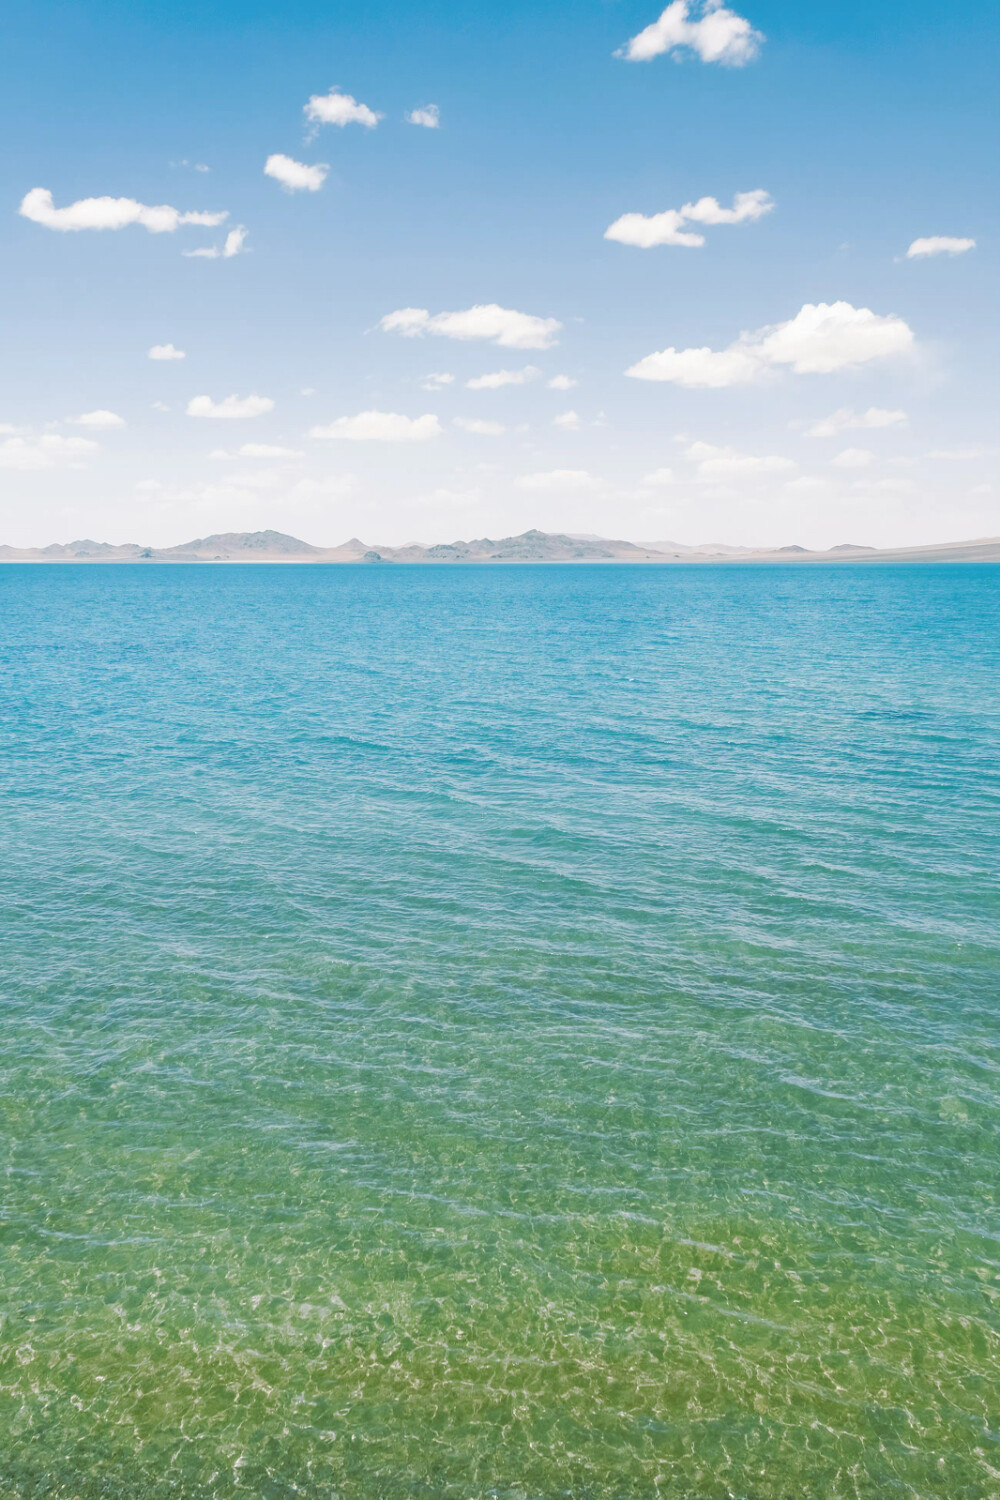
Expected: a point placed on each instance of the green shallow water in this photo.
(520, 1032)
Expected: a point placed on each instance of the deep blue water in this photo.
(504, 1031)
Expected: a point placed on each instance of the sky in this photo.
(414, 272)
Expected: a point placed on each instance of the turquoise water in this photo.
(518, 1032)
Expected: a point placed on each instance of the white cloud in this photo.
(294, 175)
(498, 378)
(660, 477)
(853, 458)
(939, 244)
(659, 229)
(437, 380)
(569, 420)
(97, 419)
(235, 240)
(484, 429)
(428, 115)
(109, 213)
(557, 479)
(715, 463)
(381, 427)
(844, 419)
(340, 109)
(229, 407)
(719, 35)
(256, 450)
(667, 228)
(45, 452)
(166, 351)
(561, 383)
(698, 367)
(501, 325)
(821, 338)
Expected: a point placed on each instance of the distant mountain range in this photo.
(529, 547)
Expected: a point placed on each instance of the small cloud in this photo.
(715, 463)
(499, 378)
(380, 427)
(821, 338)
(561, 383)
(483, 429)
(295, 176)
(557, 480)
(335, 108)
(109, 213)
(159, 406)
(718, 36)
(428, 115)
(166, 351)
(568, 420)
(97, 419)
(437, 381)
(959, 453)
(667, 228)
(500, 325)
(844, 419)
(231, 407)
(938, 244)
(234, 243)
(660, 477)
(853, 458)
(308, 390)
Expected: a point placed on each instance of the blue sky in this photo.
(861, 130)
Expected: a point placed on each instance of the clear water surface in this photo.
(513, 1032)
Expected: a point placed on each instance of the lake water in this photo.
(523, 1032)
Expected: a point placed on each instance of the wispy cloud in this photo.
(844, 419)
(166, 351)
(569, 421)
(500, 325)
(230, 407)
(667, 228)
(714, 463)
(498, 378)
(47, 452)
(437, 381)
(480, 427)
(380, 427)
(821, 338)
(109, 213)
(234, 242)
(853, 458)
(256, 450)
(717, 35)
(561, 383)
